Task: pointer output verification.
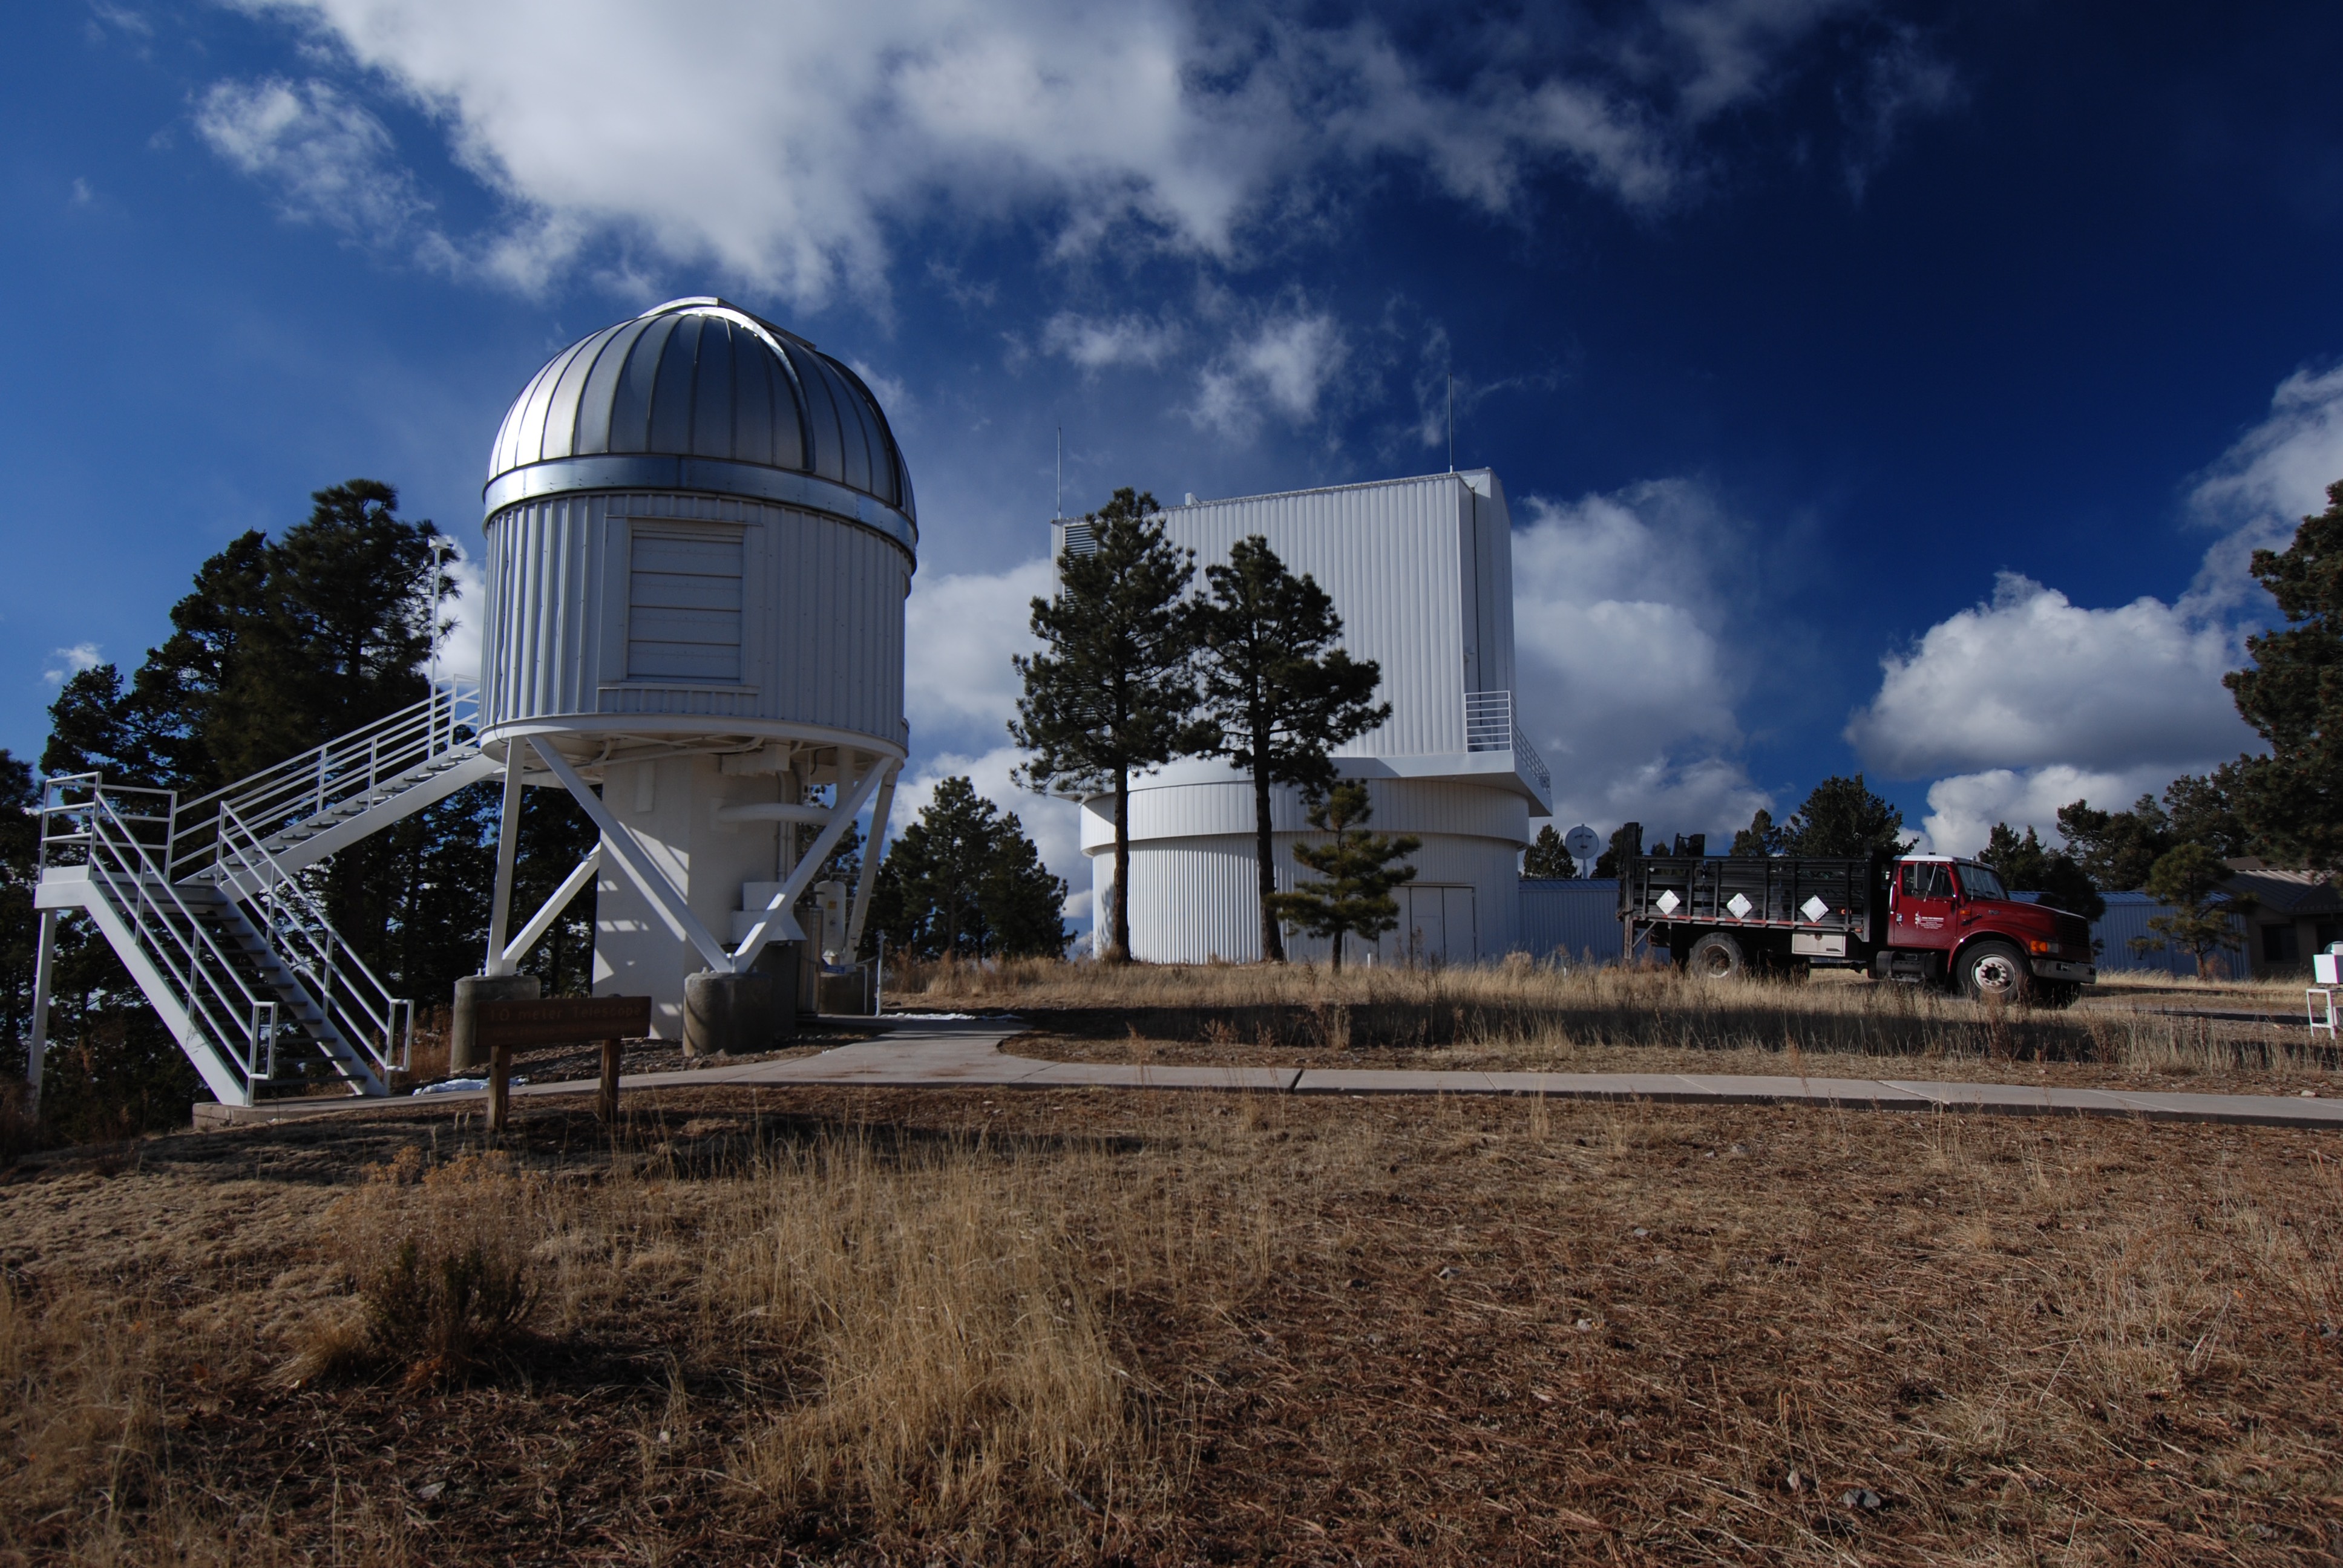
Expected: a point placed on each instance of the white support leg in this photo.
(507, 847)
(869, 877)
(551, 911)
(671, 905)
(44, 974)
(776, 920)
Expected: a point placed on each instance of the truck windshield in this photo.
(1979, 881)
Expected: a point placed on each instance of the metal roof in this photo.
(721, 399)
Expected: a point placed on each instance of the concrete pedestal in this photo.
(464, 1055)
(738, 1015)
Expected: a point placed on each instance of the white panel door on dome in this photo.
(683, 605)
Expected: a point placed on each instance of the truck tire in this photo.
(1716, 957)
(1994, 972)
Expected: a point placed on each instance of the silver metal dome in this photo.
(700, 395)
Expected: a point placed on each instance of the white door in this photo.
(1423, 926)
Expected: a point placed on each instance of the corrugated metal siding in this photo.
(1577, 920)
(1398, 806)
(821, 615)
(1194, 900)
(1399, 560)
(2126, 918)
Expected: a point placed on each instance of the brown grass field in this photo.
(875, 1326)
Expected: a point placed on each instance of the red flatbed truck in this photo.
(1932, 920)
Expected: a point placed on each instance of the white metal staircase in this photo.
(204, 903)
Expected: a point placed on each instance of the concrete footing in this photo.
(464, 1053)
(738, 1014)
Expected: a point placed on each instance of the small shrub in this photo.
(446, 1312)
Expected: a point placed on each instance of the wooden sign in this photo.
(562, 1021)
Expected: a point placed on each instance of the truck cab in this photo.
(1952, 921)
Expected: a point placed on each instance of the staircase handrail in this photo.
(213, 995)
(316, 780)
(294, 925)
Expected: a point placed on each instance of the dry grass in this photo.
(1080, 1326)
(1520, 1016)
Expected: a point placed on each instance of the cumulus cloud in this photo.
(330, 160)
(459, 653)
(1623, 684)
(69, 662)
(960, 690)
(2265, 483)
(2030, 701)
(1096, 344)
(1963, 809)
(782, 154)
(2032, 678)
(1285, 365)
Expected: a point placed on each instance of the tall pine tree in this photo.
(1279, 691)
(1113, 691)
(2291, 801)
(964, 880)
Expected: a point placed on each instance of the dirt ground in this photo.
(877, 1326)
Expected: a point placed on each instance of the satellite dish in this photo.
(1581, 842)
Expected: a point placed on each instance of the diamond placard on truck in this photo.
(1666, 902)
(1814, 907)
(1740, 905)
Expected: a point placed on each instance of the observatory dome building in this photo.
(1421, 571)
(699, 535)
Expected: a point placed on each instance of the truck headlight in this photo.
(2037, 945)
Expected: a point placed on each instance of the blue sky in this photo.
(1877, 386)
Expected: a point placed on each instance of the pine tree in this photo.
(1279, 691)
(1626, 844)
(964, 880)
(2188, 880)
(1114, 691)
(1549, 858)
(1760, 837)
(2029, 866)
(1843, 816)
(1357, 866)
(2291, 800)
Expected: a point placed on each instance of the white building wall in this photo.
(820, 618)
(1421, 571)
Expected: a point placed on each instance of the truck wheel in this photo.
(1994, 972)
(1717, 956)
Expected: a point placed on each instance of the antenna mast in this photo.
(1452, 421)
(1061, 473)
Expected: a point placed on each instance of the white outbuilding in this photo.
(1421, 571)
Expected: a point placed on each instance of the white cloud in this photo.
(1096, 344)
(1288, 363)
(2267, 483)
(330, 160)
(459, 655)
(2035, 701)
(1901, 82)
(780, 139)
(2032, 679)
(960, 690)
(1963, 809)
(1621, 683)
(70, 661)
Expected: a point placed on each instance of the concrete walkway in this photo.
(949, 1052)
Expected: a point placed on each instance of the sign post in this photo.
(562, 1021)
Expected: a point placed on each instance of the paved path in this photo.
(948, 1052)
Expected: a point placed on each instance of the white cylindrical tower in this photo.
(699, 537)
